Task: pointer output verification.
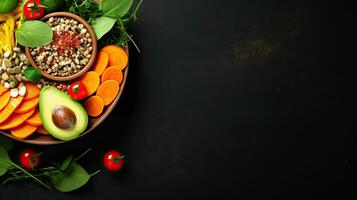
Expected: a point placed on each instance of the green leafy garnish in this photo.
(102, 25)
(32, 74)
(108, 31)
(116, 8)
(7, 164)
(72, 178)
(86, 9)
(34, 34)
(65, 177)
(6, 142)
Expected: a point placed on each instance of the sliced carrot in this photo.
(108, 90)
(117, 56)
(27, 105)
(42, 130)
(94, 106)
(10, 108)
(3, 89)
(4, 99)
(23, 131)
(101, 62)
(112, 73)
(35, 119)
(91, 81)
(15, 120)
(32, 90)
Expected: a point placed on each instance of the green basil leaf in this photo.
(116, 8)
(66, 162)
(102, 25)
(72, 178)
(34, 34)
(6, 142)
(32, 74)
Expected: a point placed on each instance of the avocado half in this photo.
(63, 117)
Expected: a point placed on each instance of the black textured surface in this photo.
(228, 99)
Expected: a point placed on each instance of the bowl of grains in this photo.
(72, 51)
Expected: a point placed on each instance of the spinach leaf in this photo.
(115, 8)
(102, 25)
(65, 164)
(5, 162)
(6, 142)
(34, 34)
(72, 178)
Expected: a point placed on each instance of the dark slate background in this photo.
(232, 99)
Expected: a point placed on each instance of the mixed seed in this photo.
(70, 50)
(59, 85)
(12, 66)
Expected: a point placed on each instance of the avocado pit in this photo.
(63, 117)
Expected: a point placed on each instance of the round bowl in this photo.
(39, 139)
(93, 54)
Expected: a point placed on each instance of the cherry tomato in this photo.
(34, 10)
(113, 160)
(77, 91)
(29, 159)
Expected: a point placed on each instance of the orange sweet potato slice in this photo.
(23, 131)
(108, 90)
(117, 56)
(3, 89)
(32, 90)
(35, 119)
(27, 105)
(94, 106)
(91, 81)
(10, 108)
(4, 99)
(100, 63)
(15, 120)
(42, 130)
(112, 73)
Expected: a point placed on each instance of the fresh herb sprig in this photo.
(87, 9)
(118, 11)
(65, 176)
(119, 34)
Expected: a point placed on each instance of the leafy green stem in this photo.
(29, 174)
(83, 154)
(133, 14)
(26, 176)
(95, 173)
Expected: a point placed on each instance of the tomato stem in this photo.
(117, 159)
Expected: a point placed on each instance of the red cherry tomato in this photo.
(77, 91)
(29, 159)
(113, 160)
(34, 10)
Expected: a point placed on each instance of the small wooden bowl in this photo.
(39, 139)
(91, 60)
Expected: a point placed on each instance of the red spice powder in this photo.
(65, 41)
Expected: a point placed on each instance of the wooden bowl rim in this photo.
(93, 54)
(93, 122)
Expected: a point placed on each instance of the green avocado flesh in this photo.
(62, 117)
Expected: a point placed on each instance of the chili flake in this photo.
(65, 40)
